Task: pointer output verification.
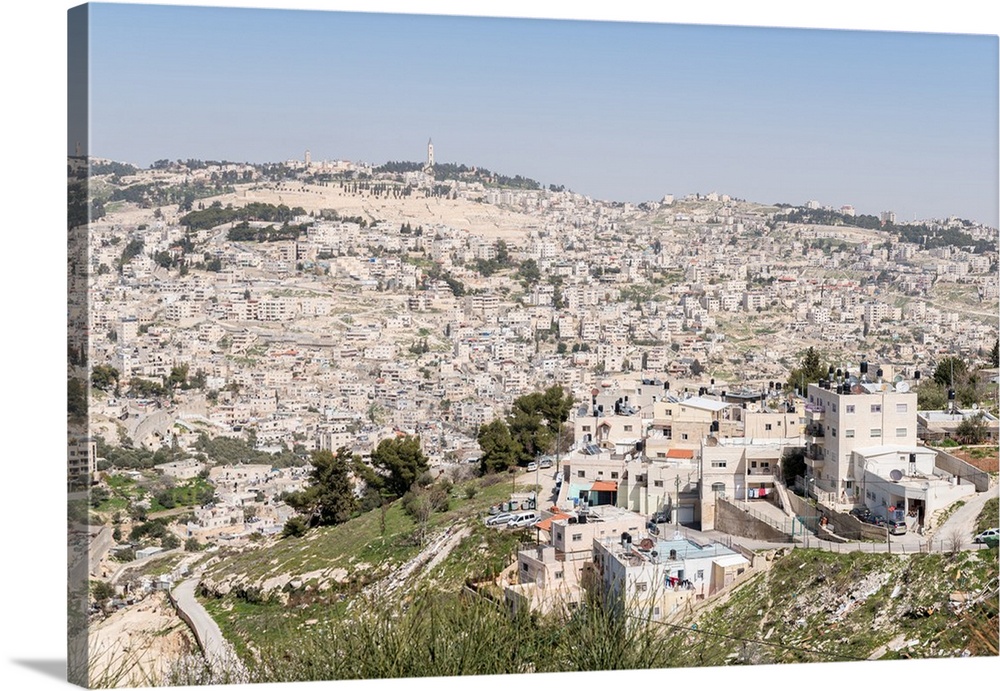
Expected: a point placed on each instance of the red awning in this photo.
(680, 453)
(603, 486)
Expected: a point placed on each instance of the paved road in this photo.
(963, 521)
(220, 655)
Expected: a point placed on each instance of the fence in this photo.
(942, 545)
(789, 525)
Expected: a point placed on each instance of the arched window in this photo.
(718, 487)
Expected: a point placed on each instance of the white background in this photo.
(33, 255)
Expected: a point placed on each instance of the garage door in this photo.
(685, 514)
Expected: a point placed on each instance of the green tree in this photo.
(972, 430)
(400, 462)
(995, 354)
(809, 371)
(950, 370)
(329, 499)
(535, 420)
(178, 376)
(931, 396)
(104, 377)
(500, 450)
(295, 526)
(101, 591)
(529, 272)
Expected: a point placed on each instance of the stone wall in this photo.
(965, 472)
(735, 521)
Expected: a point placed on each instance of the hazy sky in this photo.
(616, 110)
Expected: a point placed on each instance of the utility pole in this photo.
(677, 500)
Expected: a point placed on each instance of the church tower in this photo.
(430, 154)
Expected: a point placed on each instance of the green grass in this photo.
(278, 617)
(988, 516)
(820, 606)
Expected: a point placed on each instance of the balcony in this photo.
(814, 412)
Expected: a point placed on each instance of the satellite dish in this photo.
(852, 380)
(856, 388)
(898, 378)
(902, 387)
(895, 475)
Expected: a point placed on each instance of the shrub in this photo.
(295, 527)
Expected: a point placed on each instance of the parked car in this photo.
(523, 520)
(984, 536)
(652, 529)
(500, 519)
(861, 512)
(896, 527)
(662, 516)
(532, 466)
(545, 464)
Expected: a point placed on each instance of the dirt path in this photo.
(436, 551)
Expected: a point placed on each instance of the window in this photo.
(833, 431)
(558, 574)
(657, 483)
(767, 427)
(900, 431)
(875, 432)
(614, 474)
(641, 586)
(524, 566)
(628, 428)
(718, 486)
(900, 407)
(834, 407)
(850, 409)
(684, 436)
(586, 428)
(876, 407)
(718, 464)
(581, 473)
(699, 575)
(849, 433)
(577, 537)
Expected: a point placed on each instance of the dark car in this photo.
(660, 517)
(861, 512)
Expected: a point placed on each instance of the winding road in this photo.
(219, 653)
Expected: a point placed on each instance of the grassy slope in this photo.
(817, 606)
(811, 605)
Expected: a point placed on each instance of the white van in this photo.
(523, 520)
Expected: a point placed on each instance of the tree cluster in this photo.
(532, 427)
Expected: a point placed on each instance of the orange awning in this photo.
(546, 525)
(680, 453)
(604, 487)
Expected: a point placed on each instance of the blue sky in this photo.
(617, 110)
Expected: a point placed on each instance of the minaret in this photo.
(430, 154)
(308, 158)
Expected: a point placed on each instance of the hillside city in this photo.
(268, 349)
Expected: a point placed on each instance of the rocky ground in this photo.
(140, 644)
